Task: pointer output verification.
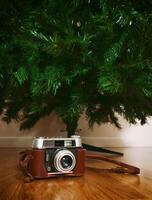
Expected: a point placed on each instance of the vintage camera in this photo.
(51, 157)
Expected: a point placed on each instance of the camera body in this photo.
(51, 157)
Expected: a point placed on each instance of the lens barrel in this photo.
(64, 161)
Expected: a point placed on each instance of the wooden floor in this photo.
(93, 185)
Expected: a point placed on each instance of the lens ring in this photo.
(57, 161)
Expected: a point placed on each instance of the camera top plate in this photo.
(46, 142)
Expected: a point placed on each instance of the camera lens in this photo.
(64, 161)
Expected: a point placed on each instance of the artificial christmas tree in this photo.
(74, 57)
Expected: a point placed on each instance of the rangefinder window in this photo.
(69, 143)
(59, 143)
(48, 143)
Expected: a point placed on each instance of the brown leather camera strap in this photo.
(23, 165)
(123, 167)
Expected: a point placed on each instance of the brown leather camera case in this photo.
(34, 162)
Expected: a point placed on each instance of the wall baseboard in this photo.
(16, 142)
(22, 142)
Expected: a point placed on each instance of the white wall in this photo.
(108, 135)
(105, 135)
